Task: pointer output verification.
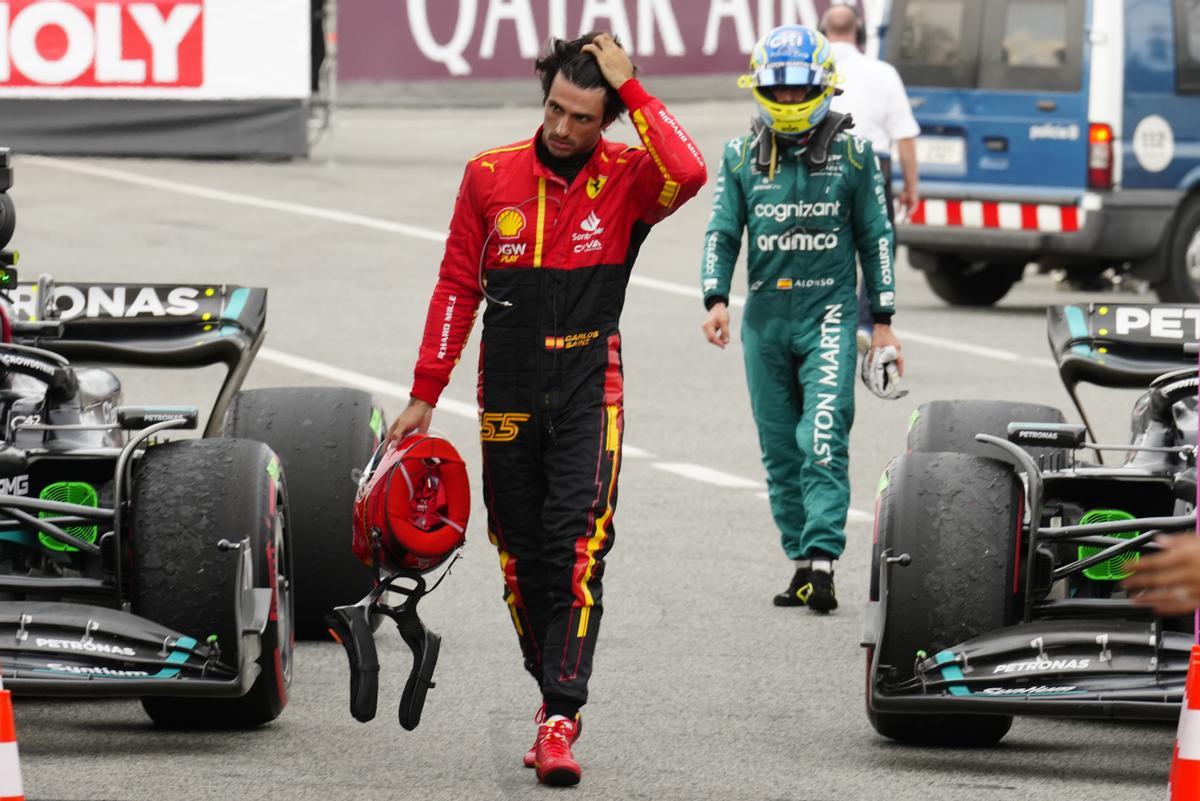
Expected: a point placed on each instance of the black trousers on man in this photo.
(551, 395)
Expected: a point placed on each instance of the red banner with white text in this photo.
(193, 49)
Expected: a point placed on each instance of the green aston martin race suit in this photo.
(798, 330)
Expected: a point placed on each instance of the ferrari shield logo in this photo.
(595, 184)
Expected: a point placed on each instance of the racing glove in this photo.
(880, 375)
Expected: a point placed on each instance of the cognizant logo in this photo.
(782, 212)
(796, 241)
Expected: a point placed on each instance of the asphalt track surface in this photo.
(702, 689)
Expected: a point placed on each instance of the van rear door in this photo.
(999, 89)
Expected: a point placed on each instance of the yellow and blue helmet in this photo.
(792, 56)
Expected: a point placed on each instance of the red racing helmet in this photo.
(412, 506)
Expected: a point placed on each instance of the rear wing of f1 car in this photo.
(152, 325)
(1125, 345)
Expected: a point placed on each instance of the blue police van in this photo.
(1061, 132)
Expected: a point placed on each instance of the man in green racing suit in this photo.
(812, 198)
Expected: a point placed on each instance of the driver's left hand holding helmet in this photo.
(793, 56)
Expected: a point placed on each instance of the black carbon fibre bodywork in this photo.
(1074, 644)
(65, 624)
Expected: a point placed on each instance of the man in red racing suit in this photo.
(551, 227)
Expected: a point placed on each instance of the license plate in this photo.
(941, 151)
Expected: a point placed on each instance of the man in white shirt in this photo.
(874, 95)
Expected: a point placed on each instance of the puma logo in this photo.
(491, 165)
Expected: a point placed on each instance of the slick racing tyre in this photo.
(187, 496)
(960, 282)
(951, 426)
(957, 516)
(324, 436)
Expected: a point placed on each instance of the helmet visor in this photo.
(799, 94)
(791, 74)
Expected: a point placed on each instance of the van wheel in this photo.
(1181, 284)
(969, 283)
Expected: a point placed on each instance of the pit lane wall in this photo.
(168, 77)
(417, 47)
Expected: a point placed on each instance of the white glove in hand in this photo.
(880, 375)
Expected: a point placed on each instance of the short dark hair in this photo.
(580, 68)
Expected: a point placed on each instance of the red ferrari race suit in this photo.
(556, 259)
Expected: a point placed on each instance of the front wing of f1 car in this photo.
(72, 649)
(1129, 669)
(148, 325)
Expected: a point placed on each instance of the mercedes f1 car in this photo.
(178, 572)
(1002, 535)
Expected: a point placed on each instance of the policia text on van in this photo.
(1062, 132)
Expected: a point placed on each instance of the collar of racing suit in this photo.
(565, 167)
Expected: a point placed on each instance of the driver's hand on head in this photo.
(716, 325)
(612, 59)
(416, 417)
(1168, 581)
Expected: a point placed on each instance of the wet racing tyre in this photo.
(324, 436)
(187, 496)
(958, 517)
(951, 426)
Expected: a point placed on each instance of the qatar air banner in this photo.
(388, 40)
(168, 49)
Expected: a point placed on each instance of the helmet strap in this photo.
(766, 148)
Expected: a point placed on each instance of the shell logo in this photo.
(510, 223)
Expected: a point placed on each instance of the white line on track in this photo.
(707, 475)
(974, 350)
(237, 199)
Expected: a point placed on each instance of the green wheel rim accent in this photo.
(884, 481)
(1118, 567)
(77, 492)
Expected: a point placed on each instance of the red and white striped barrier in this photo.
(10, 762)
(1185, 766)
(1000, 216)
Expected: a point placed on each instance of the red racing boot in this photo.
(539, 717)
(552, 752)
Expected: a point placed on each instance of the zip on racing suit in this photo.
(556, 260)
(798, 330)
